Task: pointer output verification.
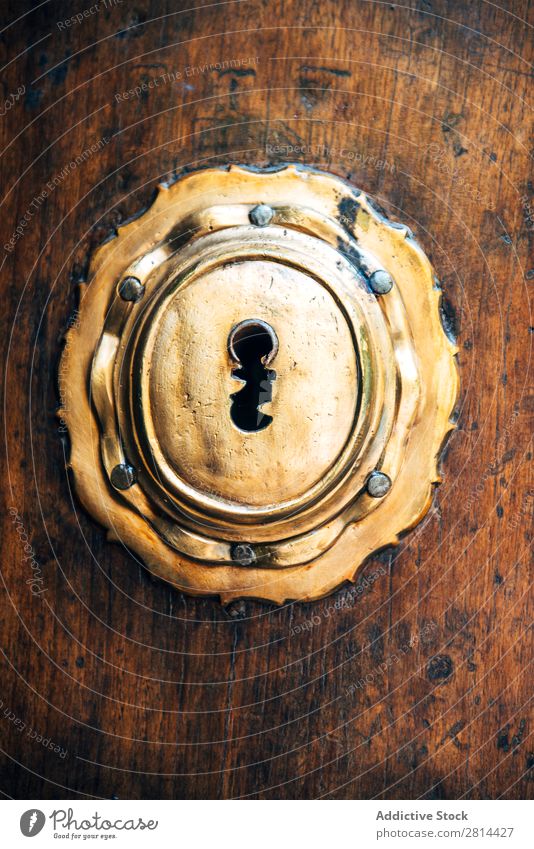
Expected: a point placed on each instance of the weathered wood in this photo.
(415, 684)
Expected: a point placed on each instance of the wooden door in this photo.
(416, 681)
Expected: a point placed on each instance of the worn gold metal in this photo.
(272, 470)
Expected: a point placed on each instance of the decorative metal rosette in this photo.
(359, 383)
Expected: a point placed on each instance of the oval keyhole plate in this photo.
(225, 475)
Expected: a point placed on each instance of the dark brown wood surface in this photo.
(419, 682)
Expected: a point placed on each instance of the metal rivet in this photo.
(243, 554)
(131, 289)
(378, 484)
(261, 215)
(123, 476)
(381, 282)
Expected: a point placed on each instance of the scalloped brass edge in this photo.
(351, 549)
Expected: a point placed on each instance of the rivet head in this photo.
(123, 476)
(381, 282)
(261, 215)
(243, 554)
(131, 289)
(378, 484)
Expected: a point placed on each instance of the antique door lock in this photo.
(258, 384)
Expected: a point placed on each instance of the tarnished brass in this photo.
(258, 385)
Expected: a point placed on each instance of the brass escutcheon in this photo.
(258, 386)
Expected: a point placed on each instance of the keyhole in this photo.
(253, 345)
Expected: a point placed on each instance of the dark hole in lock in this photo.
(252, 344)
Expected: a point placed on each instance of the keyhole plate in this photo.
(184, 373)
(330, 453)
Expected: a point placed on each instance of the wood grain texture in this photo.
(418, 683)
